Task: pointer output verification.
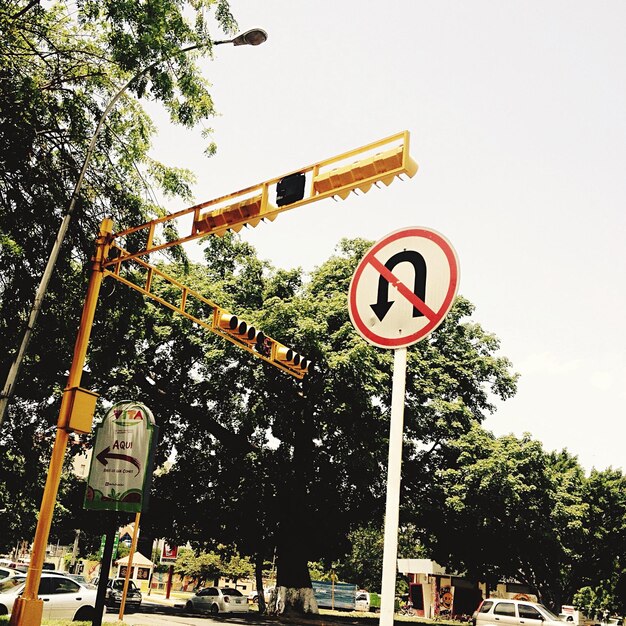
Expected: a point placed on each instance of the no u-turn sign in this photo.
(400, 292)
(403, 287)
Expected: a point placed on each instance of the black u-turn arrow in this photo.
(383, 304)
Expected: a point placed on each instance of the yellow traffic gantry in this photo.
(380, 161)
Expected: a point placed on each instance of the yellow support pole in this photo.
(28, 609)
(131, 554)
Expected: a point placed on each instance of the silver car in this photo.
(218, 600)
(62, 597)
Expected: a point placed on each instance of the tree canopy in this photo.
(503, 509)
(61, 63)
(275, 462)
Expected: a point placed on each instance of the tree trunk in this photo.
(293, 593)
(258, 573)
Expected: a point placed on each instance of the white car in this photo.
(62, 597)
(502, 612)
(218, 600)
(7, 572)
(253, 596)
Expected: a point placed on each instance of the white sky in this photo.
(517, 114)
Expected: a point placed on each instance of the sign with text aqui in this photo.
(121, 465)
(400, 292)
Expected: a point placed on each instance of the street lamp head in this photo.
(252, 37)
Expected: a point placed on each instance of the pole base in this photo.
(27, 612)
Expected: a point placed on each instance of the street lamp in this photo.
(252, 37)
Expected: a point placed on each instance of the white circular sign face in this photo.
(403, 287)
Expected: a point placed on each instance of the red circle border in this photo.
(448, 250)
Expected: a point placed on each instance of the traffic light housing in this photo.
(255, 341)
(290, 358)
(232, 217)
(362, 174)
(380, 161)
(232, 325)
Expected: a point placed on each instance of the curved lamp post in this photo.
(252, 37)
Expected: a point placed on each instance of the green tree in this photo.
(237, 567)
(202, 567)
(286, 466)
(600, 571)
(60, 65)
(364, 564)
(502, 508)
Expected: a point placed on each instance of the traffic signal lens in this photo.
(290, 189)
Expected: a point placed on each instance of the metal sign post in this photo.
(394, 470)
(400, 292)
(133, 547)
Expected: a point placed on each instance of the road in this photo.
(160, 614)
(152, 614)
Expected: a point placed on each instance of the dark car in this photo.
(115, 589)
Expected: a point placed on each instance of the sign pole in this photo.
(133, 546)
(105, 568)
(168, 588)
(392, 507)
(401, 290)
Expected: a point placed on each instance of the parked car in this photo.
(7, 572)
(501, 611)
(62, 597)
(218, 600)
(115, 591)
(77, 577)
(366, 601)
(253, 596)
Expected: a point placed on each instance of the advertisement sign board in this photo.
(169, 554)
(121, 465)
